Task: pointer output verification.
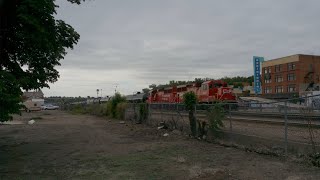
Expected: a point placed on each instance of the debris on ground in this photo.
(176, 132)
(181, 159)
(163, 125)
(31, 122)
(160, 127)
(165, 134)
(121, 122)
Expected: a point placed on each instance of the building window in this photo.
(310, 68)
(291, 66)
(278, 68)
(279, 89)
(268, 90)
(267, 70)
(204, 87)
(292, 88)
(267, 81)
(279, 78)
(291, 77)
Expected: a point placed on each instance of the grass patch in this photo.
(151, 164)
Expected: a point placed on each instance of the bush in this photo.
(121, 110)
(143, 112)
(105, 109)
(78, 109)
(114, 102)
(114, 108)
(94, 109)
(215, 116)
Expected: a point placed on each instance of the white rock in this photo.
(166, 134)
(160, 127)
(31, 122)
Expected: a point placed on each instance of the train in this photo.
(208, 92)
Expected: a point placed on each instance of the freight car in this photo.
(207, 92)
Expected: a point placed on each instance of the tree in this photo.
(190, 100)
(32, 42)
(153, 86)
(146, 90)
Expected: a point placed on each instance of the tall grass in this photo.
(115, 108)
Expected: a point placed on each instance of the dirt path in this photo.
(64, 146)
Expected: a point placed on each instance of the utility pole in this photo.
(97, 93)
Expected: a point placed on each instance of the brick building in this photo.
(286, 77)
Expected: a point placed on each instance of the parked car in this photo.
(49, 107)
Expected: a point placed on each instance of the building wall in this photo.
(309, 71)
(303, 64)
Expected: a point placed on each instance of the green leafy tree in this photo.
(153, 86)
(190, 100)
(145, 90)
(32, 42)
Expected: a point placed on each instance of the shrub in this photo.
(215, 116)
(78, 109)
(104, 109)
(121, 110)
(94, 109)
(143, 112)
(114, 102)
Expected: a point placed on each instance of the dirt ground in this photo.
(60, 145)
(270, 131)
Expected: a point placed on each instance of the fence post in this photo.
(195, 111)
(149, 113)
(161, 112)
(286, 128)
(230, 122)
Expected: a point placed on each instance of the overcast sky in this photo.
(134, 43)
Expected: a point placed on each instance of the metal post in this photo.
(195, 111)
(230, 122)
(149, 113)
(161, 112)
(286, 127)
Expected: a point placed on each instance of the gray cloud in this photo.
(136, 43)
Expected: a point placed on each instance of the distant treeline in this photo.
(237, 81)
(58, 100)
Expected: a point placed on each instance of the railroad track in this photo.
(258, 117)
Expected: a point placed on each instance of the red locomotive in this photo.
(207, 92)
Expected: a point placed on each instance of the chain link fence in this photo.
(284, 126)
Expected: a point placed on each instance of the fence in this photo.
(280, 126)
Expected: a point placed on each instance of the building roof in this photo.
(135, 97)
(284, 60)
(33, 95)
